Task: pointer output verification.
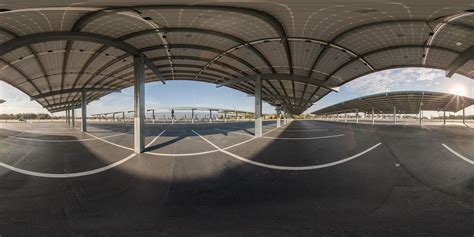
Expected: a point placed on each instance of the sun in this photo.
(458, 90)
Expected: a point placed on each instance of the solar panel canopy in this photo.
(404, 102)
(53, 51)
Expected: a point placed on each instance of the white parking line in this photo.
(203, 152)
(458, 155)
(180, 154)
(154, 139)
(303, 130)
(304, 138)
(284, 138)
(111, 143)
(240, 133)
(64, 141)
(69, 175)
(291, 168)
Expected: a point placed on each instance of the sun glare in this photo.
(458, 90)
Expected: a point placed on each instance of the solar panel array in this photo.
(404, 102)
(326, 42)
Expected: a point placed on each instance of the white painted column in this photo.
(210, 116)
(73, 117)
(394, 114)
(373, 118)
(258, 106)
(139, 104)
(225, 116)
(444, 117)
(278, 119)
(67, 117)
(357, 115)
(84, 112)
(421, 115)
(345, 117)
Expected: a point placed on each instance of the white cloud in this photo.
(396, 79)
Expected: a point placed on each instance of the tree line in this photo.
(26, 116)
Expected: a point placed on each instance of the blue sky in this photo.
(188, 93)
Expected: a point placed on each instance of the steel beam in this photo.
(344, 33)
(72, 90)
(139, 97)
(279, 77)
(65, 35)
(203, 48)
(264, 16)
(382, 50)
(462, 59)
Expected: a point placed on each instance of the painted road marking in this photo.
(203, 152)
(64, 141)
(303, 130)
(292, 168)
(458, 155)
(154, 139)
(240, 133)
(111, 143)
(68, 175)
(304, 138)
(286, 138)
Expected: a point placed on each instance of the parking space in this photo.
(353, 173)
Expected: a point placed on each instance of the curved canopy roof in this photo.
(53, 51)
(405, 102)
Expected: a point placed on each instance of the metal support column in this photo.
(225, 116)
(337, 117)
(394, 114)
(373, 118)
(192, 115)
(357, 115)
(210, 116)
(444, 117)
(345, 117)
(463, 116)
(84, 112)
(73, 117)
(123, 117)
(67, 117)
(258, 106)
(139, 104)
(421, 115)
(278, 118)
